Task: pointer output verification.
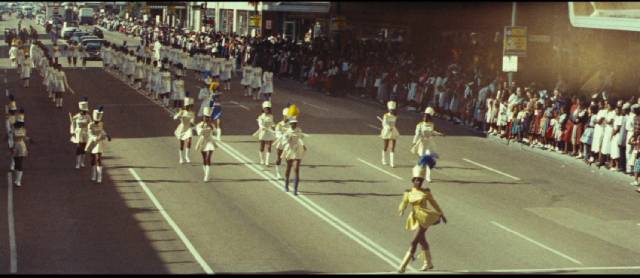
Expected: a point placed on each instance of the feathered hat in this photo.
(214, 86)
(266, 104)
(391, 105)
(97, 114)
(188, 100)
(419, 171)
(83, 105)
(293, 111)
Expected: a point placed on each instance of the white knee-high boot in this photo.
(428, 174)
(384, 157)
(12, 164)
(206, 172)
(99, 174)
(93, 173)
(391, 160)
(18, 181)
(186, 155)
(82, 158)
(219, 133)
(266, 158)
(78, 158)
(261, 158)
(181, 158)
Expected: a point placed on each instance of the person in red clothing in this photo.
(568, 131)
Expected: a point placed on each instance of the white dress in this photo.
(139, 71)
(97, 138)
(293, 144)
(608, 132)
(598, 131)
(266, 126)
(178, 92)
(267, 82)
(280, 129)
(187, 119)
(256, 80)
(19, 146)
(423, 141)
(226, 70)
(165, 82)
(25, 69)
(80, 128)
(206, 141)
(389, 130)
(246, 76)
(215, 66)
(615, 140)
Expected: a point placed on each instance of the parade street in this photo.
(152, 215)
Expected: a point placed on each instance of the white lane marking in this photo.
(490, 169)
(12, 231)
(238, 104)
(381, 252)
(347, 230)
(373, 126)
(6, 92)
(315, 106)
(537, 243)
(173, 225)
(380, 169)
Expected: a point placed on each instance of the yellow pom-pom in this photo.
(214, 85)
(293, 111)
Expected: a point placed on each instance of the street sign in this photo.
(337, 23)
(255, 21)
(509, 63)
(515, 41)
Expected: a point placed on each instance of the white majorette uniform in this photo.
(265, 132)
(206, 141)
(25, 69)
(18, 146)
(165, 86)
(178, 92)
(598, 131)
(215, 67)
(389, 131)
(206, 96)
(154, 82)
(294, 147)
(79, 130)
(225, 73)
(267, 82)
(280, 129)
(246, 76)
(96, 143)
(184, 131)
(138, 75)
(608, 132)
(60, 87)
(423, 139)
(256, 81)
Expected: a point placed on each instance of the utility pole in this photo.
(513, 23)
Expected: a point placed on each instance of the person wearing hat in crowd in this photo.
(425, 129)
(421, 216)
(265, 132)
(61, 85)
(629, 125)
(25, 70)
(165, 85)
(389, 132)
(267, 84)
(256, 82)
(177, 92)
(13, 52)
(18, 146)
(138, 73)
(225, 73)
(205, 143)
(294, 148)
(96, 143)
(79, 130)
(184, 131)
(216, 115)
(247, 79)
(280, 129)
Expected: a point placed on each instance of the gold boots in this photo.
(426, 256)
(405, 262)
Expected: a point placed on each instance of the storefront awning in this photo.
(302, 7)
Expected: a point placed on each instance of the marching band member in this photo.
(105, 55)
(422, 141)
(267, 84)
(96, 144)
(184, 130)
(25, 70)
(13, 52)
(10, 115)
(138, 73)
(294, 148)
(421, 217)
(79, 130)
(217, 113)
(256, 82)
(265, 132)
(206, 95)
(278, 144)
(215, 67)
(177, 92)
(247, 76)
(389, 132)
(18, 146)
(49, 79)
(61, 85)
(225, 74)
(205, 144)
(153, 80)
(165, 85)
(56, 52)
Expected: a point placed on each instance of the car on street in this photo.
(69, 28)
(93, 48)
(75, 37)
(98, 33)
(86, 39)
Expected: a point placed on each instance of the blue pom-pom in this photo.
(428, 160)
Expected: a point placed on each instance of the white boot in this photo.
(391, 160)
(18, 181)
(428, 175)
(277, 171)
(384, 158)
(219, 133)
(12, 165)
(261, 158)
(78, 158)
(206, 172)
(82, 160)
(99, 174)
(266, 158)
(186, 155)
(181, 159)
(60, 102)
(93, 173)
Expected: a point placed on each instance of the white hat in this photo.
(391, 105)
(293, 119)
(419, 171)
(20, 118)
(97, 114)
(266, 104)
(626, 106)
(285, 111)
(634, 106)
(207, 111)
(429, 111)
(188, 101)
(83, 105)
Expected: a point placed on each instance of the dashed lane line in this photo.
(379, 169)
(490, 169)
(12, 231)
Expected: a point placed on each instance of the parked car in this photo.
(93, 48)
(76, 36)
(98, 33)
(85, 39)
(69, 28)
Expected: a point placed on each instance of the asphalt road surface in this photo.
(510, 209)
